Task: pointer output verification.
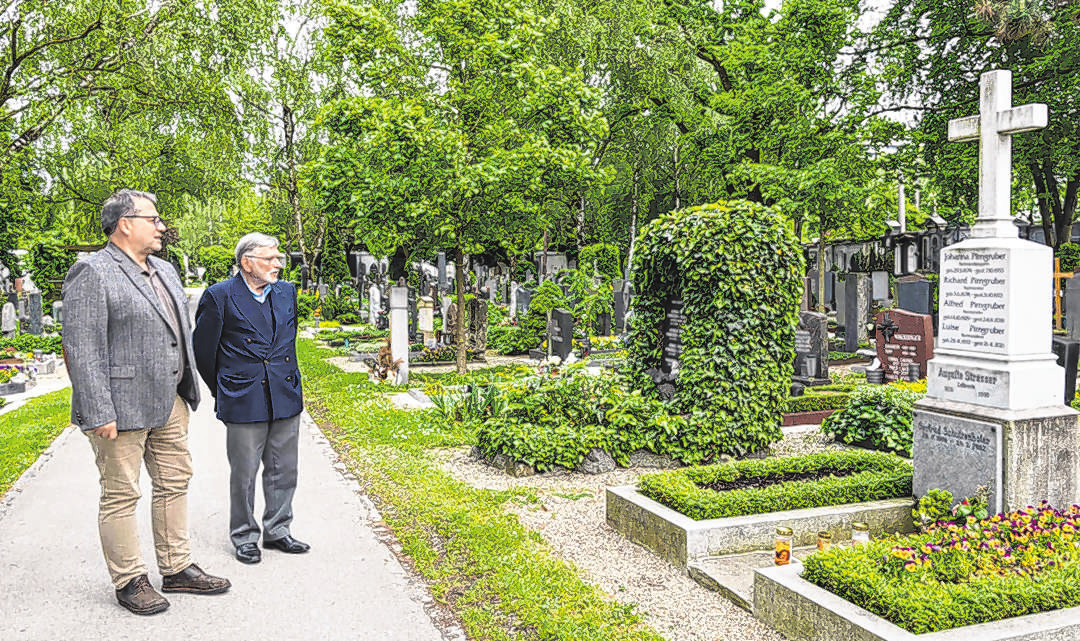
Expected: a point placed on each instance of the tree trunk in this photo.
(677, 198)
(292, 189)
(633, 216)
(459, 331)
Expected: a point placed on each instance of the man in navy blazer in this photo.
(245, 350)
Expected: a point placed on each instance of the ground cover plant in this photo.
(25, 432)
(876, 416)
(959, 574)
(836, 478)
(24, 343)
(499, 578)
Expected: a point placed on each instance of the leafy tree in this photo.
(48, 263)
(459, 128)
(934, 53)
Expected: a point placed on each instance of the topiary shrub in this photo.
(217, 261)
(603, 257)
(738, 270)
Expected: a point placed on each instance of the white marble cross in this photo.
(993, 128)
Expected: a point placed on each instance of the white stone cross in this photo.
(993, 128)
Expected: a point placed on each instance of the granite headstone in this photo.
(903, 338)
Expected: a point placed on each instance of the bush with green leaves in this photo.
(738, 269)
(876, 416)
(511, 339)
(601, 257)
(548, 296)
(555, 420)
(306, 304)
(816, 403)
(851, 477)
(217, 261)
(23, 343)
(49, 263)
(341, 307)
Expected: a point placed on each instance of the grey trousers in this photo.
(274, 444)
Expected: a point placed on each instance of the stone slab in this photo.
(802, 611)
(732, 575)
(1040, 451)
(957, 454)
(678, 538)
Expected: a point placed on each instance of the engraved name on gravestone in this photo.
(903, 338)
(973, 298)
(958, 454)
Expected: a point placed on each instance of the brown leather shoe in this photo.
(139, 597)
(194, 581)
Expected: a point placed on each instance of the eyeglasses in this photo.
(279, 260)
(156, 220)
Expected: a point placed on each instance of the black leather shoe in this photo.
(287, 544)
(248, 553)
(194, 581)
(139, 597)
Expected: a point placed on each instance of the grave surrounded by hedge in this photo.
(849, 477)
(718, 289)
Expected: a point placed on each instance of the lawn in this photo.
(27, 431)
(501, 579)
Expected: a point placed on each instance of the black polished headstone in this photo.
(440, 260)
(561, 333)
(915, 294)
(1072, 307)
(1068, 353)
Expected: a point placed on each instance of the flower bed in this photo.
(1008, 565)
(868, 476)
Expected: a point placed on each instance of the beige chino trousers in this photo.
(119, 462)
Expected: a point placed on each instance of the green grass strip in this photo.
(27, 431)
(499, 577)
(874, 476)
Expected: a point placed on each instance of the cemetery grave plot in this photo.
(925, 584)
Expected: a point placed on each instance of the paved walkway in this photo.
(54, 585)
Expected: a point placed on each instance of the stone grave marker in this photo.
(807, 301)
(915, 293)
(840, 303)
(561, 333)
(513, 300)
(830, 290)
(476, 319)
(524, 298)
(812, 349)
(618, 310)
(492, 287)
(1072, 307)
(33, 313)
(305, 277)
(414, 315)
(399, 332)
(993, 410)
(374, 303)
(8, 324)
(323, 290)
(1068, 354)
(903, 338)
(857, 310)
(670, 348)
(440, 261)
(881, 285)
(426, 319)
(603, 324)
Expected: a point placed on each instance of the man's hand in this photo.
(107, 431)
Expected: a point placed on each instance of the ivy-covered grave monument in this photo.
(714, 321)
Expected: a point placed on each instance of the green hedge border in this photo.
(877, 476)
(816, 403)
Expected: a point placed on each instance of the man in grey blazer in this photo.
(128, 351)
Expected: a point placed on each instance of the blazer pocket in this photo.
(122, 371)
(234, 385)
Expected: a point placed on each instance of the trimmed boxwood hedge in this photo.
(875, 476)
(816, 403)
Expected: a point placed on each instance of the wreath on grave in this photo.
(737, 269)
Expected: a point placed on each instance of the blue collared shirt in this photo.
(259, 298)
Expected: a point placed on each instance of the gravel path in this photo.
(571, 517)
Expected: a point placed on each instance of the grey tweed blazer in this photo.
(120, 350)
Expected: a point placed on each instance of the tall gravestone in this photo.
(840, 303)
(857, 310)
(812, 349)
(881, 285)
(476, 318)
(399, 332)
(561, 334)
(830, 290)
(440, 261)
(915, 293)
(374, 304)
(33, 313)
(1072, 307)
(8, 320)
(993, 413)
(1068, 353)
